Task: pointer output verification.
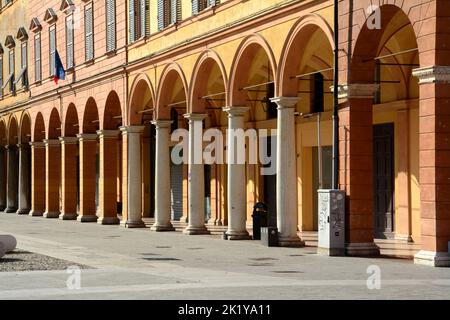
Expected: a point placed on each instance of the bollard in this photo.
(2, 250)
(9, 242)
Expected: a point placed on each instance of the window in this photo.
(1, 75)
(89, 33)
(139, 19)
(23, 75)
(37, 57)
(317, 93)
(200, 5)
(110, 25)
(11, 61)
(52, 49)
(169, 12)
(24, 55)
(11, 69)
(69, 42)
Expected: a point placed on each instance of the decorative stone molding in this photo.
(357, 90)
(434, 74)
(285, 102)
(50, 16)
(35, 25)
(68, 140)
(9, 42)
(162, 123)
(239, 111)
(22, 34)
(87, 137)
(195, 116)
(108, 133)
(131, 129)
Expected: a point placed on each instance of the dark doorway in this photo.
(207, 169)
(383, 145)
(327, 174)
(270, 182)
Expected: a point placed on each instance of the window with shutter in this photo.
(144, 18)
(52, 47)
(89, 33)
(24, 58)
(69, 42)
(131, 26)
(110, 25)
(11, 61)
(37, 57)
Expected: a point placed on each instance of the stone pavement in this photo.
(139, 264)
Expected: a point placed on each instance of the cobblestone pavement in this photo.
(139, 264)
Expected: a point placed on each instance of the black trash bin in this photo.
(269, 236)
(260, 219)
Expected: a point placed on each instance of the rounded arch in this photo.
(13, 131)
(39, 132)
(112, 114)
(90, 117)
(71, 125)
(249, 48)
(172, 91)
(25, 128)
(54, 125)
(209, 74)
(311, 27)
(142, 97)
(3, 137)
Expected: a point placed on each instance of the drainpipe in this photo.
(336, 99)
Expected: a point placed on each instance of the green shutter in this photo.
(131, 31)
(110, 25)
(37, 58)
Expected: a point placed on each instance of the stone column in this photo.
(3, 173)
(69, 177)
(107, 210)
(236, 182)
(12, 177)
(287, 217)
(88, 154)
(133, 216)
(52, 178)
(196, 176)
(38, 193)
(162, 177)
(356, 167)
(434, 165)
(24, 179)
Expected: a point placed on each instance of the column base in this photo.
(196, 231)
(238, 235)
(162, 228)
(35, 213)
(362, 249)
(68, 216)
(291, 242)
(10, 210)
(432, 259)
(51, 215)
(23, 211)
(108, 221)
(331, 252)
(403, 238)
(132, 224)
(87, 218)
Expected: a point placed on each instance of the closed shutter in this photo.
(11, 61)
(89, 34)
(110, 25)
(23, 61)
(175, 11)
(161, 13)
(69, 42)
(37, 57)
(52, 50)
(195, 7)
(145, 25)
(131, 31)
(176, 191)
(213, 3)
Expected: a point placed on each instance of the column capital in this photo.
(195, 116)
(37, 144)
(357, 90)
(68, 140)
(238, 111)
(51, 142)
(433, 74)
(131, 129)
(285, 102)
(162, 123)
(87, 136)
(11, 146)
(108, 133)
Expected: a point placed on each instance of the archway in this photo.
(13, 166)
(3, 162)
(38, 170)
(24, 200)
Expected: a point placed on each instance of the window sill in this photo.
(111, 53)
(89, 62)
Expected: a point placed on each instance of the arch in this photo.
(142, 96)
(247, 50)
(71, 125)
(172, 89)
(13, 131)
(294, 50)
(25, 128)
(90, 117)
(38, 131)
(204, 66)
(54, 125)
(112, 116)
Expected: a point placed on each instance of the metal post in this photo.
(319, 151)
(336, 99)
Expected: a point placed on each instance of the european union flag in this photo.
(60, 73)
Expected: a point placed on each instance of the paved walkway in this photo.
(139, 264)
